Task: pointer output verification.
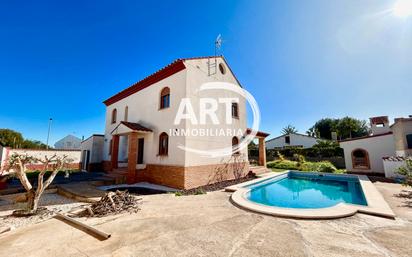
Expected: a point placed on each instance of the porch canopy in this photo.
(131, 130)
(125, 127)
(262, 147)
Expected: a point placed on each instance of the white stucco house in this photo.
(92, 152)
(381, 152)
(291, 140)
(68, 142)
(143, 140)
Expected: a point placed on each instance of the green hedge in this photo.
(309, 152)
(323, 166)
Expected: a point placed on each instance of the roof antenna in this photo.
(218, 45)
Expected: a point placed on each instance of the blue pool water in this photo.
(307, 190)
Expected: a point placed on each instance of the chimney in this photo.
(379, 125)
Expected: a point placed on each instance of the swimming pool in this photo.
(307, 190)
(310, 195)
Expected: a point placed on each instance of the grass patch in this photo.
(277, 170)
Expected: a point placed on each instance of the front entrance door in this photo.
(140, 149)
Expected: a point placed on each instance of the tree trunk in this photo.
(32, 201)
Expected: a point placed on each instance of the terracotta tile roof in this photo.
(135, 126)
(365, 137)
(396, 158)
(167, 71)
(258, 134)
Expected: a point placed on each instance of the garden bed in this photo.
(53, 203)
(215, 186)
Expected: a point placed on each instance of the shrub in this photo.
(326, 167)
(309, 166)
(406, 171)
(286, 165)
(200, 191)
(323, 166)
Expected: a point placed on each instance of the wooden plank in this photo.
(84, 227)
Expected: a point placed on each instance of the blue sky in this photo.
(302, 60)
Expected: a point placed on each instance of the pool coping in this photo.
(376, 203)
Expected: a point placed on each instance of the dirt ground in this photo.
(209, 225)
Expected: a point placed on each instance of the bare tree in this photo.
(235, 164)
(17, 164)
(238, 166)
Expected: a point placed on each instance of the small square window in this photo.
(287, 139)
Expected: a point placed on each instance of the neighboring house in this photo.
(291, 140)
(370, 154)
(92, 153)
(140, 119)
(69, 142)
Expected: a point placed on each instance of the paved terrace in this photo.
(209, 225)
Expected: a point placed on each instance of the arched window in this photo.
(163, 144)
(235, 143)
(360, 159)
(114, 116)
(235, 110)
(126, 113)
(222, 68)
(165, 98)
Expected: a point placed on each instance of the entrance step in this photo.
(117, 178)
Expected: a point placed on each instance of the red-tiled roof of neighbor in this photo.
(365, 137)
(135, 126)
(167, 71)
(379, 119)
(396, 158)
(258, 134)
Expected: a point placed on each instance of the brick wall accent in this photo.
(115, 151)
(132, 155)
(186, 177)
(107, 166)
(172, 176)
(196, 176)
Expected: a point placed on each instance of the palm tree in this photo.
(312, 132)
(289, 129)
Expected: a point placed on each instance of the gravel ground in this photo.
(52, 201)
